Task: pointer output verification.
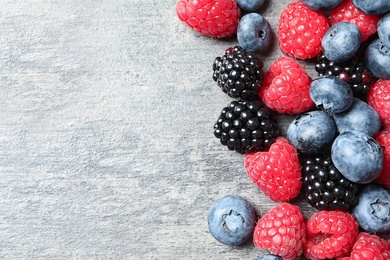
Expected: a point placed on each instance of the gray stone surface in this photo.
(106, 133)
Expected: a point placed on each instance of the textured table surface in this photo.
(106, 133)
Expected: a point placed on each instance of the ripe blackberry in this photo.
(239, 73)
(352, 71)
(246, 126)
(325, 187)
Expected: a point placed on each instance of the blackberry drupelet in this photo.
(246, 126)
(352, 71)
(325, 187)
(239, 73)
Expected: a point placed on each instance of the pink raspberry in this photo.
(369, 247)
(330, 234)
(300, 31)
(276, 172)
(383, 139)
(215, 18)
(285, 87)
(347, 12)
(281, 231)
(378, 98)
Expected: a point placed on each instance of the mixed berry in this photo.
(336, 151)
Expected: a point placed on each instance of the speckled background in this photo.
(106, 133)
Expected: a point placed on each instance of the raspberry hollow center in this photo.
(233, 221)
(320, 237)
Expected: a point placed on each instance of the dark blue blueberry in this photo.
(341, 42)
(321, 5)
(231, 220)
(357, 156)
(311, 132)
(250, 5)
(254, 33)
(331, 94)
(359, 117)
(372, 6)
(269, 257)
(372, 211)
(377, 59)
(384, 30)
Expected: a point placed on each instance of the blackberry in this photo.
(352, 71)
(246, 126)
(325, 187)
(239, 73)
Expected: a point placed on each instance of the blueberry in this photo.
(269, 257)
(377, 59)
(331, 94)
(341, 41)
(359, 117)
(372, 6)
(321, 5)
(357, 156)
(384, 30)
(254, 33)
(312, 131)
(372, 211)
(250, 5)
(231, 220)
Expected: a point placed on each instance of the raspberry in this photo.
(330, 234)
(378, 98)
(347, 12)
(215, 18)
(285, 87)
(300, 31)
(383, 139)
(369, 247)
(281, 231)
(276, 172)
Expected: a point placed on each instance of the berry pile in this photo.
(352, 71)
(336, 152)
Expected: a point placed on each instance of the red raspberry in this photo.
(300, 31)
(369, 247)
(347, 12)
(330, 234)
(378, 98)
(281, 231)
(215, 18)
(276, 172)
(383, 139)
(285, 87)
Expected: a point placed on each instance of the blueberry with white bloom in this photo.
(357, 156)
(384, 30)
(250, 5)
(321, 5)
(372, 211)
(254, 33)
(375, 7)
(232, 220)
(341, 41)
(377, 59)
(311, 132)
(331, 94)
(359, 117)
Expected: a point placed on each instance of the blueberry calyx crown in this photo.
(380, 209)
